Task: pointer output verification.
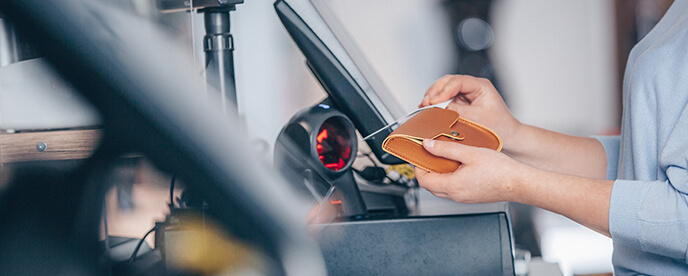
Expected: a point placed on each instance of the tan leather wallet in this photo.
(406, 142)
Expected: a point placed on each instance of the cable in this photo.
(138, 246)
(367, 154)
(174, 179)
(105, 226)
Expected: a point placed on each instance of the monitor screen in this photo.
(353, 87)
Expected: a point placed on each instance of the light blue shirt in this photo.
(648, 213)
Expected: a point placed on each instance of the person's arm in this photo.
(557, 152)
(651, 216)
(489, 176)
(476, 99)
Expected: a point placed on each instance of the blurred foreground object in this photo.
(140, 82)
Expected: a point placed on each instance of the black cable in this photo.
(174, 179)
(138, 246)
(367, 154)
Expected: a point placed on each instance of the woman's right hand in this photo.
(475, 99)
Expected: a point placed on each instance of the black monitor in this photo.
(353, 87)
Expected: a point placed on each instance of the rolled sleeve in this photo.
(612, 147)
(650, 216)
(624, 208)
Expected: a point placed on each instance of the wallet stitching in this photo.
(466, 121)
(416, 140)
(484, 129)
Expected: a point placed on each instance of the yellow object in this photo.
(204, 247)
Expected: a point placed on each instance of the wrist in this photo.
(511, 137)
(514, 181)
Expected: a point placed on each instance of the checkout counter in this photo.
(439, 238)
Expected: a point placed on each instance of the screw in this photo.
(42, 146)
(454, 132)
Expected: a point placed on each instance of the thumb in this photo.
(450, 150)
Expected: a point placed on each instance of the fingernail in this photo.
(429, 143)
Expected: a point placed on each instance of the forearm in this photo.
(581, 199)
(584, 200)
(557, 152)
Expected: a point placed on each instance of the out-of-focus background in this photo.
(558, 65)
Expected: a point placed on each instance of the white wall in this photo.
(272, 79)
(408, 42)
(399, 37)
(556, 60)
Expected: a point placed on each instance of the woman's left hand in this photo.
(485, 175)
(489, 176)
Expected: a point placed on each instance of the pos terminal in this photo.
(433, 237)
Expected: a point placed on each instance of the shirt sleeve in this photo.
(651, 216)
(612, 146)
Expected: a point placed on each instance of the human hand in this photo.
(475, 99)
(484, 175)
(322, 213)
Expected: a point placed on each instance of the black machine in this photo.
(354, 94)
(433, 238)
(316, 149)
(348, 79)
(326, 141)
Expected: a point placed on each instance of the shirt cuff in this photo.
(624, 208)
(612, 147)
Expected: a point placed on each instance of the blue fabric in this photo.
(648, 213)
(611, 144)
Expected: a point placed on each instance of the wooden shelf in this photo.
(54, 145)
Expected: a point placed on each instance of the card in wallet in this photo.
(406, 142)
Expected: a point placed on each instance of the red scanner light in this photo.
(333, 145)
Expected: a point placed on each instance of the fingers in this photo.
(440, 92)
(450, 150)
(434, 90)
(433, 182)
(467, 87)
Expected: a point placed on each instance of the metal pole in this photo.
(8, 43)
(218, 46)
